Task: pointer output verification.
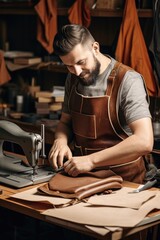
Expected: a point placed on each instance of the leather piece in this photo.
(85, 185)
(46, 23)
(86, 214)
(135, 55)
(79, 13)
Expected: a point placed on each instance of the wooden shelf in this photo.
(57, 68)
(119, 13)
(52, 67)
(145, 13)
(17, 11)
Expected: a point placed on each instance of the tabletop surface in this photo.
(34, 209)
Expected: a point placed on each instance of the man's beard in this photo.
(91, 79)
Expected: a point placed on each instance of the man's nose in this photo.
(77, 70)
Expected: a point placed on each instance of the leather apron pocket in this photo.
(84, 125)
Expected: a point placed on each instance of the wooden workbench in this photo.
(34, 210)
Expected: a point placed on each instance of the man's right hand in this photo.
(58, 152)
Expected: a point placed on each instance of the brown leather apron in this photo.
(96, 125)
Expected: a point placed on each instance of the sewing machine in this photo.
(13, 171)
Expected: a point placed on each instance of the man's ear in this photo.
(96, 47)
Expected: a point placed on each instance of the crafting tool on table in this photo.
(146, 186)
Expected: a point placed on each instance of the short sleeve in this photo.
(133, 97)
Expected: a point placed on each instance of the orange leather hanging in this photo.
(79, 13)
(131, 48)
(46, 23)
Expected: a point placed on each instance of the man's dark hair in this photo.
(69, 36)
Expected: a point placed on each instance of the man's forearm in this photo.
(128, 150)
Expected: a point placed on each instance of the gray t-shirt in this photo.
(131, 101)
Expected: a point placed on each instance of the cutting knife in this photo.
(146, 186)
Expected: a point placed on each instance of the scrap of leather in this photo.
(123, 198)
(93, 215)
(31, 195)
(83, 186)
(84, 213)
